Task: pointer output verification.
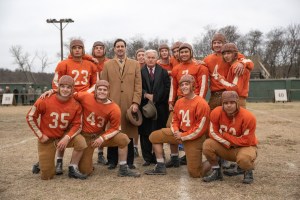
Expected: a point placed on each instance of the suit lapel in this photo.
(157, 73)
(126, 67)
(117, 68)
(145, 75)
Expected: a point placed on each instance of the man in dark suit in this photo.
(155, 88)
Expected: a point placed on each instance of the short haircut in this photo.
(151, 51)
(119, 40)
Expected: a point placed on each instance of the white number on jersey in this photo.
(56, 119)
(224, 128)
(185, 117)
(185, 72)
(92, 121)
(85, 74)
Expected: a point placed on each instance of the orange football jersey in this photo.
(97, 115)
(84, 73)
(191, 117)
(240, 84)
(199, 72)
(235, 132)
(56, 117)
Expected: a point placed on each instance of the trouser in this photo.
(244, 156)
(112, 154)
(46, 152)
(169, 121)
(146, 147)
(86, 163)
(192, 148)
(215, 99)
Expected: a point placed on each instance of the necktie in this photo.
(151, 73)
(121, 66)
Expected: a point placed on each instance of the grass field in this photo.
(277, 174)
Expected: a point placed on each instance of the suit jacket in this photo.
(125, 89)
(160, 88)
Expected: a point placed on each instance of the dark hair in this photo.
(119, 40)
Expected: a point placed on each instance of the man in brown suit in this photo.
(124, 77)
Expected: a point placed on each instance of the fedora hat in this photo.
(149, 110)
(134, 118)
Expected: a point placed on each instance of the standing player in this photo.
(217, 66)
(232, 137)
(84, 72)
(175, 60)
(59, 127)
(164, 55)
(189, 124)
(240, 84)
(140, 56)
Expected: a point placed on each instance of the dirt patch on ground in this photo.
(276, 176)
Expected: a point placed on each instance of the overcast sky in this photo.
(23, 22)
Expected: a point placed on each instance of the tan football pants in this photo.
(120, 140)
(243, 156)
(192, 148)
(46, 152)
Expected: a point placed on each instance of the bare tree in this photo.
(254, 41)
(242, 45)
(109, 44)
(291, 49)
(202, 44)
(134, 44)
(231, 33)
(42, 56)
(274, 44)
(154, 43)
(22, 59)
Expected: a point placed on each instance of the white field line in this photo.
(275, 116)
(183, 183)
(16, 144)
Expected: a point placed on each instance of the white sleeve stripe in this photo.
(55, 79)
(203, 85)
(235, 80)
(196, 132)
(111, 135)
(246, 60)
(225, 83)
(36, 129)
(92, 89)
(216, 137)
(171, 90)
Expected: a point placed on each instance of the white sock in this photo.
(160, 160)
(123, 162)
(59, 158)
(74, 165)
(174, 154)
(215, 167)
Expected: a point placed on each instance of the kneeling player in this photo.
(99, 111)
(60, 114)
(189, 124)
(232, 137)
